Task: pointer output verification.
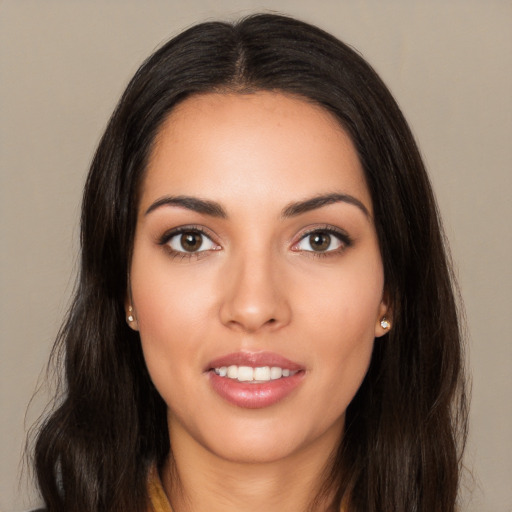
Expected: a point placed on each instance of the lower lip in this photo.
(255, 395)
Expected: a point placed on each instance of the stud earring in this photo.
(130, 315)
(384, 323)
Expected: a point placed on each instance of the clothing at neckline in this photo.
(158, 501)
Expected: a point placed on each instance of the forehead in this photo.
(263, 145)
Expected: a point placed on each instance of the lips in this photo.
(254, 380)
(254, 359)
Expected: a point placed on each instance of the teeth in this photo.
(262, 373)
(250, 374)
(245, 373)
(276, 372)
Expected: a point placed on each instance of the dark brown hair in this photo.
(406, 427)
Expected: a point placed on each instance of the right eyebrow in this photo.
(190, 203)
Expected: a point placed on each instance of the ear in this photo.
(384, 320)
(131, 317)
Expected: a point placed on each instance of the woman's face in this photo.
(256, 278)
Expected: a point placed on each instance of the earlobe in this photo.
(131, 318)
(383, 326)
(384, 319)
(385, 323)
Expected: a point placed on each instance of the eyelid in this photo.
(164, 238)
(340, 234)
(189, 228)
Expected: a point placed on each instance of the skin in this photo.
(257, 286)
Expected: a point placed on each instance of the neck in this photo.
(197, 480)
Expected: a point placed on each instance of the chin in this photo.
(269, 440)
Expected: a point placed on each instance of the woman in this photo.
(265, 315)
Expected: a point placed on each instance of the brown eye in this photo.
(322, 241)
(190, 242)
(319, 241)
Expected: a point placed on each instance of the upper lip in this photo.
(254, 359)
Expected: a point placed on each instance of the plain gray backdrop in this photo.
(64, 64)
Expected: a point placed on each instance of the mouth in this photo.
(256, 375)
(254, 380)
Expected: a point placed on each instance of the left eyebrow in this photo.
(298, 208)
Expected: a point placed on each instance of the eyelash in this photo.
(168, 235)
(345, 240)
(342, 237)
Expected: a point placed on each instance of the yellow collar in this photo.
(158, 501)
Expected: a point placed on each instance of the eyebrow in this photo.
(300, 207)
(190, 203)
(294, 209)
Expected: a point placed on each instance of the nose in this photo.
(253, 297)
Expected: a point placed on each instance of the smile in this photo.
(256, 375)
(254, 380)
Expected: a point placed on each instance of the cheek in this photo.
(345, 302)
(171, 311)
(340, 322)
(168, 298)
(342, 360)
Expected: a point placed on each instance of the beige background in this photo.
(63, 65)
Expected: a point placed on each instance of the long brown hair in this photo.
(406, 427)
